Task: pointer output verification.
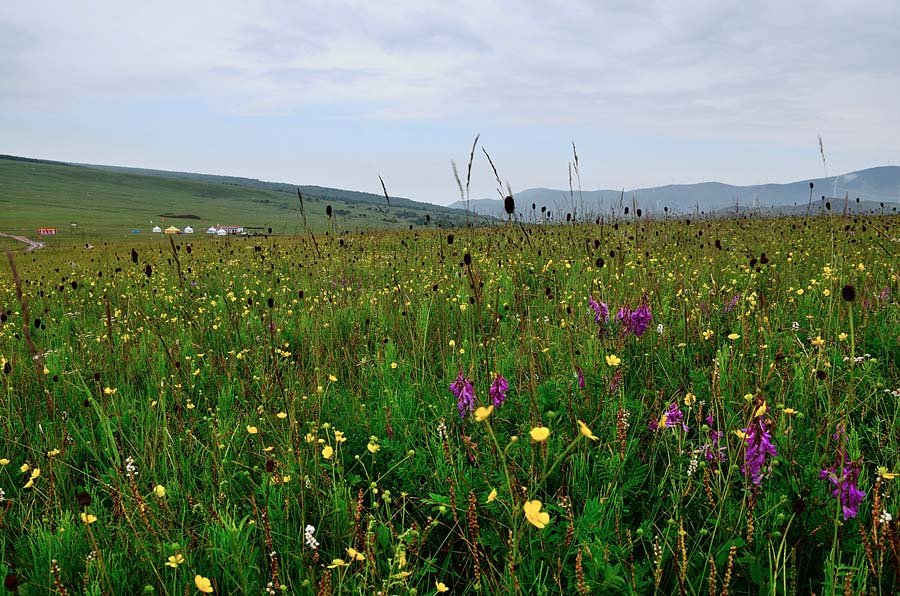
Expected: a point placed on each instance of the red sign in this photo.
(46, 231)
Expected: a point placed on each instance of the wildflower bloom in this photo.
(539, 434)
(497, 391)
(175, 560)
(482, 413)
(309, 537)
(355, 555)
(759, 447)
(613, 360)
(87, 518)
(252, 430)
(734, 336)
(441, 587)
(464, 392)
(671, 417)
(601, 311)
(583, 428)
(159, 490)
(327, 451)
(492, 495)
(203, 584)
(845, 485)
(539, 519)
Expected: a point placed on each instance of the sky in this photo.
(337, 93)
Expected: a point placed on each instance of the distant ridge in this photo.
(873, 187)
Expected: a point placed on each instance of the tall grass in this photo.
(276, 416)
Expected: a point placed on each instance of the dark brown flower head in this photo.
(84, 499)
(848, 293)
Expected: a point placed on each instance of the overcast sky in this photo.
(336, 93)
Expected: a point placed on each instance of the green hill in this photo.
(106, 202)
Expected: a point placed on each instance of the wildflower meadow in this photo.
(621, 406)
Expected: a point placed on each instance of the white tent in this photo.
(157, 229)
(211, 230)
(221, 233)
(188, 230)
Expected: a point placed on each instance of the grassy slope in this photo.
(109, 204)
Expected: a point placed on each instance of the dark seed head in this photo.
(848, 293)
(84, 499)
(467, 259)
(11, 583)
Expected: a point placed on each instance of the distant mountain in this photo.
(873, 187)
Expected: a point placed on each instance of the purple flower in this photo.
(759, 446)
(731, 304)
(845, 482)
(601, 311)
(498, 390)
(713, 452)
(616, 381)
(670, 418)
(635, 321)
(580, 374)
(464, 392)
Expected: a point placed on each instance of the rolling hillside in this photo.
(108, 202)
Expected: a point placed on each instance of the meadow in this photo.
(633, 407)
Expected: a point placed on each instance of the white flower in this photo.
(309, 535)
(795, 326)
(660, 328)
(885, 517)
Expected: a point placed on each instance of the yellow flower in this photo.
(741, 434)
(327, 452)
(159, 490)
(34, 474)
(332, 378)
(482, 413)
(843, 337)
(175, 560)
(760, 410)
(539, 434)
(586, 431)
(339, 436)
(883, 472)
(441, 587)
(818, 341)
(613, 360)
(4, 461)
(790, 411)
(689, 399)
(203, 584)
(355, 554)
(24, 468)
(539, 519)
(734, 336)
(252, 430)
(53, 453)
(88, 518)
(492, 495)
(373, 445)
(109, 391)
(281, 415)
(394, 365)
(335, 563)
(708, 333)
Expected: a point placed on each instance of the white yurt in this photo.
(157, 229)
(221, 233)
(188, 230)
(211, 230)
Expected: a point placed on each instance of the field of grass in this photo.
(108, 205)
(665, 407)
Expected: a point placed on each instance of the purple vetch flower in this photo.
(759, 447)
(713, 452)
(464, 392)
(845, 482)
(670, 418)
(635, 321)
(580, 374)
(601, 311)
(498, 390)
(732, 303)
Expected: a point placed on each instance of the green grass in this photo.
(273, 384)
(108, 205)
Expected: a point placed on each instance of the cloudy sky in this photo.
(336, 93)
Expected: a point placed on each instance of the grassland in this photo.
(277, 416)
(108, 205)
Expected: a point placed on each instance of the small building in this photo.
(157, 229)
(135, 231)
(211, 230)
(221, 232)
(46, 231)
(188, 230)
(172, 230)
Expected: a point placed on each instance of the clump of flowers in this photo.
(759, 446)
(601, 314)
(844, 478)
(635, 321)
(673, 416)
(713, 452)
(497, 391)
(464, 392)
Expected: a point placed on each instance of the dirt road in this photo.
(32, 244)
